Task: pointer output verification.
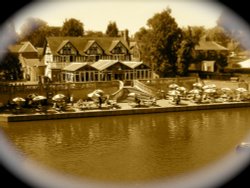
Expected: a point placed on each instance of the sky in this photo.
(129, 14)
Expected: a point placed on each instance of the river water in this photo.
(132, 148)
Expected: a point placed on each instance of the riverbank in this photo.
(163, 106)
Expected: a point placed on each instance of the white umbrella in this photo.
(198, 84)
(18, 99)
(32, 95)
(226, 89)
(241, 89)
(183, 89)
(99, 91)
(173, 86)
(210, 90)
(59, 97)
(194, 91)
(132, 94)
(174, 92)
(39, 98)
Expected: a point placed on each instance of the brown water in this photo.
(132, 148)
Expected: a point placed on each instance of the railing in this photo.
(144, 88)
(119, 92)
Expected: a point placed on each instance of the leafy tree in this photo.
(191, 37)
(35, 31)
(72, 27)
(94, 34)
(161, 42)
(219, 35)
(11, 67)
(112, 30)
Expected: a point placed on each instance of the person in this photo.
(71, 100)
(100, 101)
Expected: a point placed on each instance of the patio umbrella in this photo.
(174, 93)
(32, 95)
(39, 98)
(18, 100)
(226, 89)
(210, 90)
(99, 91)
(58, 97)
(131, 94)
(173, 86)
(182, 89)
(241, 89)
(194, 91)
(198, 84)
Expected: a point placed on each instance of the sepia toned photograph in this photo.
(124, 94)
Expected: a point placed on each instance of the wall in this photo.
(77, 90)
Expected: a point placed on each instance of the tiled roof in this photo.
(74, 66)
(82, 43)
(209, 45)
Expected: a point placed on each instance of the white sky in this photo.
(128, 14)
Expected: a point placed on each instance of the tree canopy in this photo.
(112, 30)
(11, 67)
(35, 31)
(186, 53)
(161, 42)
(72, 27)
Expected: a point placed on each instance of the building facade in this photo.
(82, 59)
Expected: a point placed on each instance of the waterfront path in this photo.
(162, 106)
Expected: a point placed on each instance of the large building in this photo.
(30, 59)
(82, 59)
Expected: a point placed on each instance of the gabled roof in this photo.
(24, 47)
(62, 45)
(103, 64)
(89, 44)
(132, 64)
(209, 45)
(113, 45)
(74, 66)
(82, 43)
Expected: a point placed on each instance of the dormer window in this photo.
(94, 49)
(66, 48)
(119, 49)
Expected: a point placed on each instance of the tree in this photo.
(191, 37)
(219, 35)
(11, 67)
(94, 34)
(35, 31)
(72, 27)
(161, 42)
(112, 30)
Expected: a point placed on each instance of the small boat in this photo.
(243, 147)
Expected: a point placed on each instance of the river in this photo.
(132, 148)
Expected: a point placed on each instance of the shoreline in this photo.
(122, 111)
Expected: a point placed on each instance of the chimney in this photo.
(125, 36)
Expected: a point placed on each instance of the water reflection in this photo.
(129, 148)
